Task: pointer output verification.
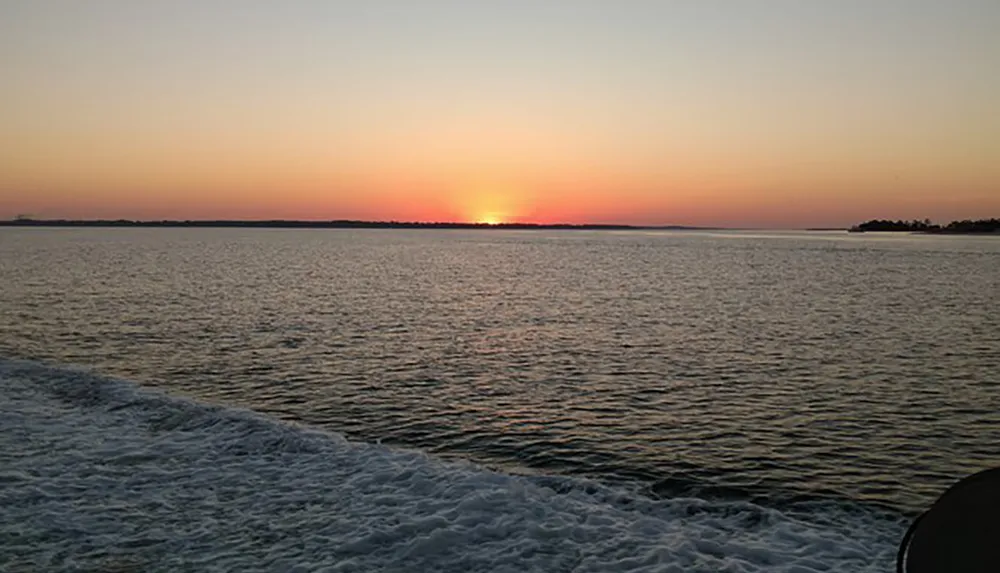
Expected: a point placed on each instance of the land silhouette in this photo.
(966, 226)
(24, 221)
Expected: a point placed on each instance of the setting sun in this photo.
(493, 202)
(490, 219)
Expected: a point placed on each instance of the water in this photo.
(715, 401)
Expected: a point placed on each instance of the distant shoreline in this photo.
(353, 224)
(336, 224)
(932, 232)
(925, 227)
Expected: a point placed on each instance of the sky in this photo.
(766, 113)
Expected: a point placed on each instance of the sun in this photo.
(488, 201)
(490, 219)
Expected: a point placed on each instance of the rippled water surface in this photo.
(782, 367)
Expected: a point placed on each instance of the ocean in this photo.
(487, 400)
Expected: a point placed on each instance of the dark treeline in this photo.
(284, 224)
(925, 226)
(886, 225)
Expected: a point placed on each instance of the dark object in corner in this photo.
(960, 533)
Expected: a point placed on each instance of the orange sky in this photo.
(788, 114)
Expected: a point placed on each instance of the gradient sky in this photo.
(761, 113)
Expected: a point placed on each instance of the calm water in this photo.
(629, 401)
(782, 366)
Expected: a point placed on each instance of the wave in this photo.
(98, 474)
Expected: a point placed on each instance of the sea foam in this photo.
(100, 475)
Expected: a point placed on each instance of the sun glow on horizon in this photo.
(491, 219)
(493, 202)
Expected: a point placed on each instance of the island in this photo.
(967, 226)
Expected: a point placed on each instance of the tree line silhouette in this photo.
(875, 225)
(925, 226)
(25, 221)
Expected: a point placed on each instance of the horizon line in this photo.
(22, 221)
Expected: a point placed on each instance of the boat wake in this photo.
(97, 474)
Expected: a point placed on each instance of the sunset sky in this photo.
(785, 113)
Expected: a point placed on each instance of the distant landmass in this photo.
(979, 226)
(336, 224)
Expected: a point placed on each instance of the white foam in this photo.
(96, 474)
